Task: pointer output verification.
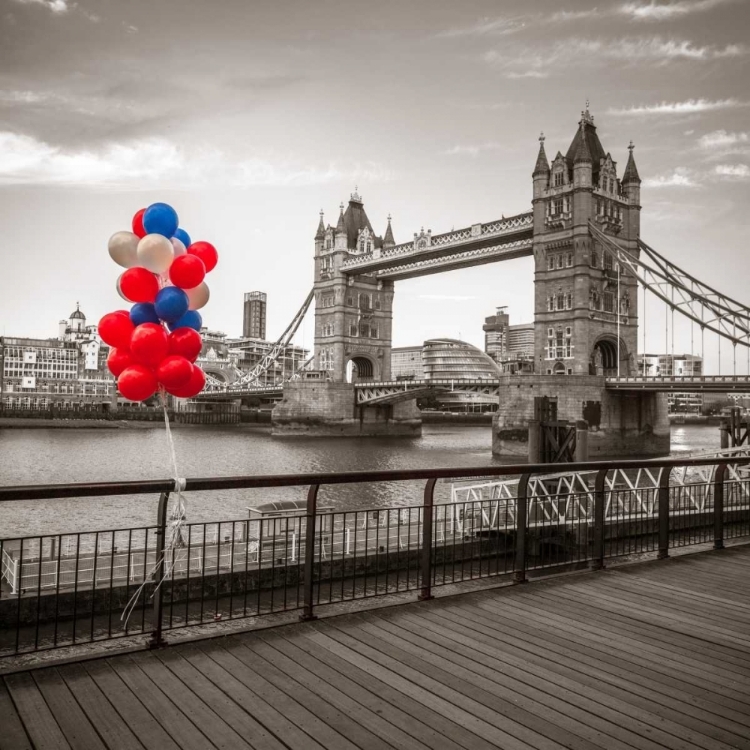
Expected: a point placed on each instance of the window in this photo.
(364, 301)
(362, 245)
(558, 179)
(329, 243)
(607, 259)
(559, 261)
(364, 330)
(350, 301)
(550, 304)
(569, 301)
(608, 301)
(352, 329)
(594, 258)
(560, 300)
(373, 332)
(550, 332)
(557, 206)
(550, 262)
(569, 260)
(377, 303)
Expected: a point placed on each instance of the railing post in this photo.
(721, 471)
(522, 513)
(312, 510)
(597, 558)
(157, 640)
(663, 501)
(426, 570)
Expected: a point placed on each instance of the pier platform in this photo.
(646, 655)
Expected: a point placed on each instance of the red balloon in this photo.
(126, 313)
(149, 344)
(138, 229)
(116, 330)
(139, 285)
(174, 371)
(118, 360)
(187, 271)
(206, 252)
(194, 386)
(137, 383)
(186, 342)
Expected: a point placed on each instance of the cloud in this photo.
(733, 171)
(722, 140)
(473, 149)
(56, 6)
(485, 27)
(688, 107)
(660, 11)
(520, 62)
(679, 178)
(158, 162)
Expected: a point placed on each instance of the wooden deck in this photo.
(653, 655)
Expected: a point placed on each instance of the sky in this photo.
(251, 117)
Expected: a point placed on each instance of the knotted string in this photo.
(173, 538)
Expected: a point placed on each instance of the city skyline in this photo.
(251, 119)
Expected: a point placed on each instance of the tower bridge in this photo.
(583, 232)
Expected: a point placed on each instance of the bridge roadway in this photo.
(647, 655)
(398, 390)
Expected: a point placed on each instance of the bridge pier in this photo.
(620, 423)
(320, 408)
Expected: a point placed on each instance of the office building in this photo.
(254, 319)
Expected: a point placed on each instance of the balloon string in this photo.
(173, 536)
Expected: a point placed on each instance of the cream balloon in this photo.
(198, 296)
(123, 249)
(155, 252)
(178, 246)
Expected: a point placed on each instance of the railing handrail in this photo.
(99, 489)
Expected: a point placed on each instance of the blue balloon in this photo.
(181, 235)
(143, 312)
(191, 319)
(171, 303)
(160, 218)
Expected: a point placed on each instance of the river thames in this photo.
(48, 456)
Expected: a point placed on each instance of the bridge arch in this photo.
(604, 355)
(360, 368)
(216, 372)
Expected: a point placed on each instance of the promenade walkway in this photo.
(649, 655)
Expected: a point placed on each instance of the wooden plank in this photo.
(442, 733)
(264, 690)
(34, 713)
(380, 732)
(475, 716)
(399, 728)
(166, 712)
(640, 648)
(606, 652)
(13, 736)
(578, 666)
(149, 731)
(239, 706)
(205, 718)
(108, 723)
(473, 731)
(446, 650)
(578, 689)
(71, 719)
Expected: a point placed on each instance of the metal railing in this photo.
(62, 589)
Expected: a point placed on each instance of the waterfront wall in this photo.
(620, 423)
(325, 409)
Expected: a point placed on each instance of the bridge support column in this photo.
(619, 423)
(319, 408)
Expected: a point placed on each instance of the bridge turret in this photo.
(388, 240)
(340, 242)
(540, 176)
(320, 235)
(631, 188)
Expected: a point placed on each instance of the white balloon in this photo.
(119, 291)
(155, 252)
(178, 246)
(123, 247)
(198, 296)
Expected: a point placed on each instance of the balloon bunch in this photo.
(155, 343)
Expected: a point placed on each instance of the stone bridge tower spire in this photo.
(353, 312)
(578, 297)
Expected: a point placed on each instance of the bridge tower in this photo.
(353, 312)
(586, 312)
